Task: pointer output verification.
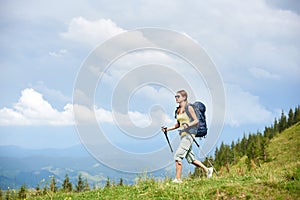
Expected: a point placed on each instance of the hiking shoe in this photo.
(177, 181)
(209, 172)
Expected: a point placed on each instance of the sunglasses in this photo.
(177, 96)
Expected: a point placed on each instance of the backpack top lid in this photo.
(201, 106)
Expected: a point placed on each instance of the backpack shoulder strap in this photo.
(187, 111)
(176, 110)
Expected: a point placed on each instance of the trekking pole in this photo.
(204, 154)
(209, 162)
(165, 132)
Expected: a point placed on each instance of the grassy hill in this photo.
(279, 178)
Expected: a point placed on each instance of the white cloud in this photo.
(260, 73)
(136, 59)
(32, 109)
(91, 32)
(140, 119)
(59, 53)
(238, 34)
(103, 115)
(244, 108)
(49, 93)
(143, 120)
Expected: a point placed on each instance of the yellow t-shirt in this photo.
(183, 118)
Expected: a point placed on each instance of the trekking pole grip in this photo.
(165, 130)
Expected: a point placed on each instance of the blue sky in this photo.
(255, 46)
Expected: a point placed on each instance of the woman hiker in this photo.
(185, 147)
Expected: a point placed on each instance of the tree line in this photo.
(47, 188)
(254, 145)
(50, 187)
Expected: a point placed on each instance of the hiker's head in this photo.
(181, 95)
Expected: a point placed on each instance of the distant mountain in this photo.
(19, 152)
(37, 166)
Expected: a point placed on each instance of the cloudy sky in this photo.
(255, 46)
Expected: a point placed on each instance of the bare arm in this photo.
(171, 128)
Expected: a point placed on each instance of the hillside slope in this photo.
(279, 178)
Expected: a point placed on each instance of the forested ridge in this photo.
(253, 145)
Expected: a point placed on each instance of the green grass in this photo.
(277, 179)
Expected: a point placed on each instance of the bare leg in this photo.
(178, 170)
(197, 163)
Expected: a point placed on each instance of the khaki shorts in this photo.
(185, 149)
